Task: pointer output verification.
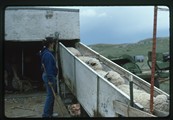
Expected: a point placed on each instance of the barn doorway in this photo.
(24, 56)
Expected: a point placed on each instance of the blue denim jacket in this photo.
(49, 62)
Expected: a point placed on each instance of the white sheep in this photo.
(74, 51)
(143, 98)
(114, 78)
(160, 98)
(124, 88)
(84, 58)
(92, 62)
(160, 103)
(101, 72)
(139, 96)
(95, 64)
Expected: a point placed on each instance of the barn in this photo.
(26, 27)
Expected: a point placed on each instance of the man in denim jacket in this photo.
(49, 74)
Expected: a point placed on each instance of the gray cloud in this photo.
(118, 24)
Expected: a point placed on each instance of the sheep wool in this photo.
(95, 64)
(143, 98)
(17, 84)
(124, 88)
(159, 99)
(74, 51)
(140, 96)
(84, 58)
(92, 62)
(101, 72)
(115, 78)
(160, 103)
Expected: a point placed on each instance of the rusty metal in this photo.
(153, 60)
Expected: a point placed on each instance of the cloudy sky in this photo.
(120, 24)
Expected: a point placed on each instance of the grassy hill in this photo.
(140, 48)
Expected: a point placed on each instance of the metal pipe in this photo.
(131, 91)
(98, 88)
(153, 59)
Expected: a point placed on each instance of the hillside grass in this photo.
(140, 48)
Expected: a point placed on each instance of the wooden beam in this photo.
(128, 111)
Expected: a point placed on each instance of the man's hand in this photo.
(50, 83)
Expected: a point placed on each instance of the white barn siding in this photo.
(32, 23)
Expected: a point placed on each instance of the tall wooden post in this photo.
(153, 59)
(57, 62)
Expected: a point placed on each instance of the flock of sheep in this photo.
(140, 96)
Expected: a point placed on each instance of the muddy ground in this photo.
(25, 105)
(31, 104)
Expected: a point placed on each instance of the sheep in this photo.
(101, 72)
(160, 103)
(160, 99)
(118, 81)
(92, 62)
(84, 58)
(115, 78)
(20, 84)
(95, 64)
(124, 88)
(143, 98)
(74, 51)
(139, 96)
(74, 109)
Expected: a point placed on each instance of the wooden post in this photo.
(56, 57)
(153, 59)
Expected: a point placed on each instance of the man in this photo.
(49, 74)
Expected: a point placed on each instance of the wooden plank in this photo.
(128, 111)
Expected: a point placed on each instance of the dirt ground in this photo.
(31, 104)
(28, 105)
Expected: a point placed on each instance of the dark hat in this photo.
(48, 40)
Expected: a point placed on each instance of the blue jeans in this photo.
(49, 103)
